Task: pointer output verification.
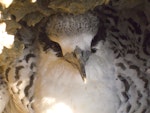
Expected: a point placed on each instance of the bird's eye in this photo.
(56, 47)
(93, 50)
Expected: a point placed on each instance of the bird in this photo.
(60, 85)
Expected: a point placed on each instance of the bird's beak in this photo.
(78, 59)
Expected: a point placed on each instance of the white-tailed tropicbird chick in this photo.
(59, 88)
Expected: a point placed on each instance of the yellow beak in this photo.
(78, 59)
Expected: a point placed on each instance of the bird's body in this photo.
(62, 89)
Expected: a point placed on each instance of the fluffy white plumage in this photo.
(60, 83)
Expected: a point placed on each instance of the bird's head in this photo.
(74, 33)
(71, 30)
